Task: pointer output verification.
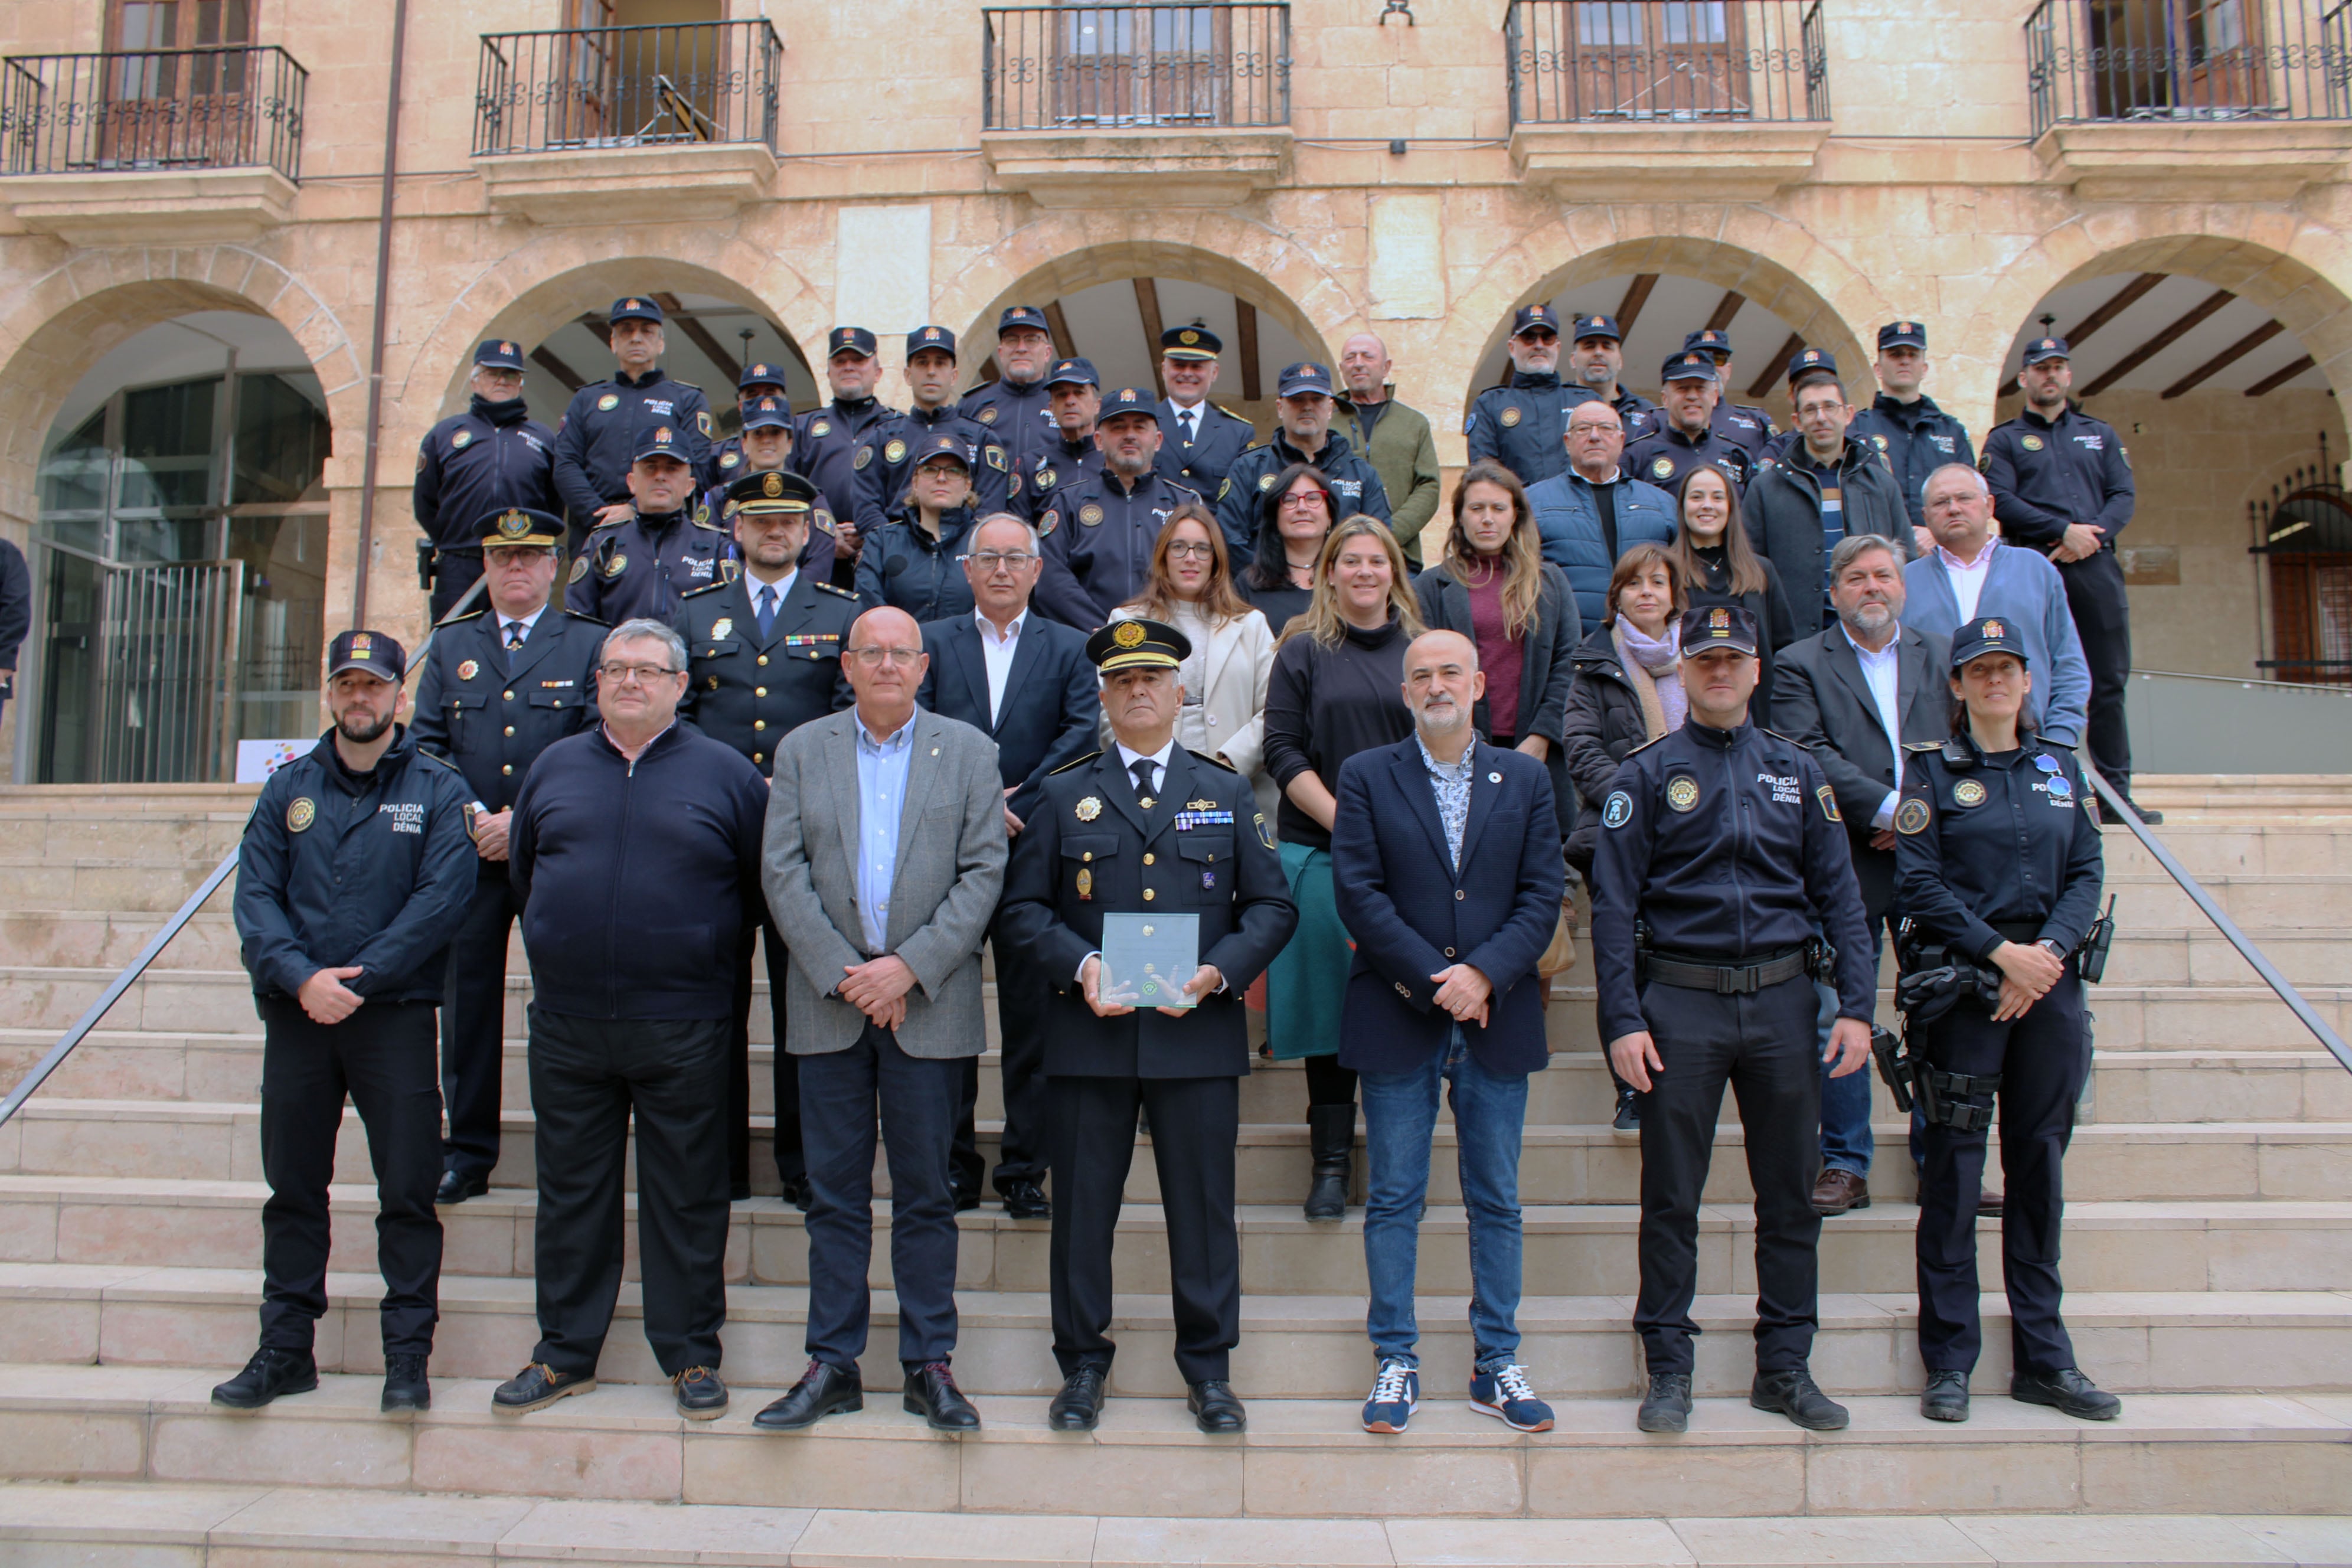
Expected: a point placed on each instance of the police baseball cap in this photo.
(1717, 625)
(1019, 318)
(1138, 644)
(1987, 634)
(1535, 318)
(1072, 372)
(1195, 341)
(761, 375)
(520, 525)
(769, 494)
(635, 308)
(499, 354)
(1304, 377)
(1804, 362)
(930, 339)
(660, 441)
(768, 414)
(1903, 335)
(1597, 327)
(849, 341)
(1692, 365)
(1708, 340)
(373, 652)
(931, 447)
(1128, 400)
(2041, 349)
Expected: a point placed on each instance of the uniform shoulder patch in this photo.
(1077, 762)
(1911, 817)
(836, 593)
(1618, 810)
(1214, 761)
(1828, 797)
(580, 570)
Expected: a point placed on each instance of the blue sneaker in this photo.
(1505, 1394)
(1395, 1394)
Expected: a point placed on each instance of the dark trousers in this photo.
(1021, 994)
(1328, 1083)
(841, 1094)
(791, 1163)
(2094, 592)
(452, 576)
(1194, 1124)
(473, 1026)
(2040, 1059)
(1762, 1044)
(382, 1057)
(586, 1076)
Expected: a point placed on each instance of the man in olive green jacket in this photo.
(1394, 439)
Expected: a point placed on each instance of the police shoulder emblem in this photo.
(1048, 522)
(1087, 809)
(896, 452)
(822, 521)
(1511, 415)
(1681, 792)
(995, 457)
(302, 814)
(1090, 514)
(702, 423)
(866, 456)
(1130, 634)
(578, 570)
(1969, 792)
(1619, 809)
(461, 440)
(2031, 443)
(1043, 481)
(1828, 797)
(467, 670)
(822, 427)
(1911, 817)
(1662, 466)
(988, 415)
(1264, 833)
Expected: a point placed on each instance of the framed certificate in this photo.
(1148, 960)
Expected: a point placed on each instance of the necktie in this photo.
(1189, 416)
(766, 609)
(516, 632)
(1141, 768)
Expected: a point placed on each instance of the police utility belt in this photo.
(1812, 958)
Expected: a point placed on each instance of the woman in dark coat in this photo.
(1294, 516)
(1720, 567)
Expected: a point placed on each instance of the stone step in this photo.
(1292, 1347)
(2172, 1453)
(1570, 1248)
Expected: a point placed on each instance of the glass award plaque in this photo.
(1148, 960)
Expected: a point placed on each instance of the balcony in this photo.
(2194, 99)
(567, 123)
(163, 144)
(1616, 100)
(1081, 103)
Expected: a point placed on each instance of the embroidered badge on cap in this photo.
(1682, 793)
(302, 814)
(1188, 337)
(1618, 811)
(1994, 629)
(1912, 817)
(1130, 634)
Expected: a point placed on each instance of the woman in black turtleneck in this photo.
(1712, 550)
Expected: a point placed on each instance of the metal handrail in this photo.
(2121, 809)
(138, 966)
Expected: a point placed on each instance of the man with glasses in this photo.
(1100, 528)
(765, 652)
(1519, 426)
(492, 458)
(1743, 425)
(635, 851)
(1016, 406)
(1592, 510)
(1025, 682)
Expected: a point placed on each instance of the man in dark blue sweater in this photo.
(635, 853)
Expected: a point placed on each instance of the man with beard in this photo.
(1521, 426)
(491, 458)
(1100, 527)
(1074, 397)
(1302, 434)
(1015, 405)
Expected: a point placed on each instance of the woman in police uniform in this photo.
(1999, 868)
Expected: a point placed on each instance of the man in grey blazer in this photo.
(1856, 693)
(883, 857)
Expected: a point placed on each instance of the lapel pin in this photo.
(1494, 778)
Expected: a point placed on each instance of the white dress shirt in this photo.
(782, 588)
(1882, 671)
(1198, 413)
(997, 654)
(1127, 761)
(525, 622)
(1968, 580)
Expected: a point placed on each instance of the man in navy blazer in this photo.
(1026, 683)
(1446, 863)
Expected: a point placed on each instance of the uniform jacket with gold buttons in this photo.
(489, 719)
(750, 690)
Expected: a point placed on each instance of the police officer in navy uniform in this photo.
(885, 459)
(1685, 434)
(604, 426)
(1523, 426)
(1998, 871)
(1915, 436)
(501, 683)
(1099, 531)
(765, 447)
(1016, 406)
(491, 458)
(2061, 484)
(1202, 440)
(1073, 399)
(764, 657)
(667, 546)
(916, 564)
(1304, 404)
(1141, 829)
(759, 381)
(1742, 424)
(825, 447)
(1721, 852)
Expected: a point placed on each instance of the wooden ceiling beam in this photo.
(2188, 323)
(1637, 294)
(2122, 300)
(699, 336)
(2280, 377)
(1146, 301)
(558, 369)
(1245, 344)
(2225, 359)
(1777, 367)
(1065, 345)
(1726, 307)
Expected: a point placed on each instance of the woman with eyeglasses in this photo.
(1296, 514)
(915, 563)
(1337, 688)
(1191, 589)
(1718, 565)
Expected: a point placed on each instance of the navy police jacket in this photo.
(1986, 846)
(2045, 474)
(1523, 426)
(490, 457)
(1353, 478)
(1020, 415)
(1915, 438)
(825, 441)
(885, 460)
(643, 565)
(491, 714)
(599, 432)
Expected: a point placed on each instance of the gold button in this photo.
(508, 769)
(759, 692)
(1146, 895)
(1087, 855)
(714, 683)
(1148, 860)
(509, 695)
(814, 653)
(509, 729)
(762, 723)
(759, 757)
(763, 658)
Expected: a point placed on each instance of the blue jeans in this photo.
(1400, 1117)
(1847, 1143)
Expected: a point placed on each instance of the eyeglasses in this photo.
(872, 657)
(643, 674)
(987, 561)
(1300, 503)
(1196, 549)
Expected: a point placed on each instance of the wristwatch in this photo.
(2055, 951)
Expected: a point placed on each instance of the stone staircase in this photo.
(2208, 1259)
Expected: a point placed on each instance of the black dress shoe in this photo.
(1667, 1407)
(270, 1372)
(456, 1189)
(1795, 1395)
(2067, 1391)
(738, 1191)
(821, 1390)
(966, 1199)
(1946, 1397)
(701, 1396)
(1215, 1406)
(405, 1387)
(1027, 1200)
(1990, 1204)
(1079, 1404)
(536, 1387)
(797, 1193)
(932, 1395)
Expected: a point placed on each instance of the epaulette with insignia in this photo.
(1079, 762)
(706, 588)
(591, 620)
(1922, 745)
(1646, 745)
(432, 757)
(1229, 412)
(1214, 761)
(453, 620)
(829, 588)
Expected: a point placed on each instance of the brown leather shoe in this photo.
(1839, 1191)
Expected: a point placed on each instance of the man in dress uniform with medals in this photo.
(1203, 438)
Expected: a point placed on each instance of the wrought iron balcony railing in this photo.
(628, 87)
(1666, 62)
(2091, 61)
(230, 106)
(1114, 66)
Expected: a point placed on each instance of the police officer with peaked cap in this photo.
(1721, 852)
(605, 425)
(766, 446)
(1741, 424)
(1904, 424)
(1998, 871)
(352, 875)
(764, 658)
(1306, 402)
(1145, 828)
(1017, 406)
(501, 683)
(759, 380)
(492, 457)
(1685, 434)
(825, 447)
(1099, 531)
(1202, 439)
(885, 459)
(640, 564)
(1070, 386)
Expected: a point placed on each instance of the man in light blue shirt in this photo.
(881, 797)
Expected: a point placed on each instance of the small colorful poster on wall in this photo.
(256, 760)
